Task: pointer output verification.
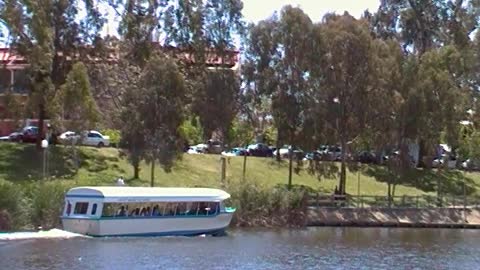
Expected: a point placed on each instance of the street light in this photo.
(44, 148)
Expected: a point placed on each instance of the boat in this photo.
(144, 211)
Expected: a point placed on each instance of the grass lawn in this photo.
(101, 166)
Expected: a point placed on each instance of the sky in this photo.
(256, 10)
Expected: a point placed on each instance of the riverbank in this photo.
(261, 198)
(395, 217)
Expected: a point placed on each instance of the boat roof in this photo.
(146, 194)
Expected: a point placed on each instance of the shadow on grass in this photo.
(451, 182)
(22, 162)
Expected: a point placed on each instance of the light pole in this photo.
(44, 149)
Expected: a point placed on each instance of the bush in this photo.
(115, 136)
(13, 206)
(46, 203)
(259, 206)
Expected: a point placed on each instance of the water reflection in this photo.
(312, 248)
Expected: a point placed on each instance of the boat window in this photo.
(170, 209)
(202, 209)
(146, 210)
(80, 208)
(192, 208)
(181, 209)
(157, 210)
(212, 208)
(134, 210)
(94, 209)
(69, 208)
(108, 210)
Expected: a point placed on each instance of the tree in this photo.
(161, 106)
(421, 25)
(343, 95)
(49, 34)
(73, 107)
(75, 102)
(130, 118)
(207, 30)
(258, 74)
(216, 103)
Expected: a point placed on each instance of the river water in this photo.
(311, 248)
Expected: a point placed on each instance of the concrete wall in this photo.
(439, 217)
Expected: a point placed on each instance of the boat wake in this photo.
(50, 234)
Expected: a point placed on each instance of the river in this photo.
(311, 248)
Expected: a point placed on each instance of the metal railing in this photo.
(367, 201)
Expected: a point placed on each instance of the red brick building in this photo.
(14, 77)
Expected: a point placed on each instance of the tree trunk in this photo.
(343, 167)
(152, 174)
(136, 171)
(290, 166)
(41, 119)
(389, 191)
(278, 157)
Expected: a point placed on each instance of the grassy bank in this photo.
(26, 200)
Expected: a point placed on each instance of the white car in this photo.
(90, 138)
(197, 149)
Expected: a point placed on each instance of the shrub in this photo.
(115, 136)
(46, 200)
(260, 206)
(13, 206)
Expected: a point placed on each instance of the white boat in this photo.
(143, 211)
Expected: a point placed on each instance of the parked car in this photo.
(366, 157)
(197, 149)
(214, 147)
(28, 134)
(471, 164)
(440, 161)
(259, 150)
(333, 153)
(315, 155)
(237, 151)
(284, 152)
(90, 138)
(12, 137)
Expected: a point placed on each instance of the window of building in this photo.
(81, 208)
(20, 81)
(5, 79)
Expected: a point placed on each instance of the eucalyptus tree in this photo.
(75, 103)
(276, 72)
(161, 105)
(424, 24)
(341, 81)
(208, 30)
(258, 80)
(49, 34)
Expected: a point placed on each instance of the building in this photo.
(13, 76)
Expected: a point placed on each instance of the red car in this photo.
(28, 134)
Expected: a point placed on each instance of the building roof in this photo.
(230, 58)
(146, 194)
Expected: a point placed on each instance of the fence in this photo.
(365, 201)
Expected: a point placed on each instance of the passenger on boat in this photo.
(135, 212)
(202, 210)
(121, 212)
(213, 209)
(148, 212)
(155, 212)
